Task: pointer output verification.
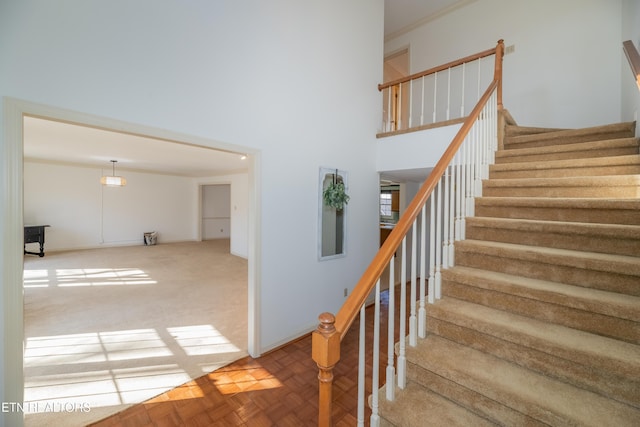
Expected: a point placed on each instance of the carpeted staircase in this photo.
(539, 323)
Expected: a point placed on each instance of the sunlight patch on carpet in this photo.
(116, 367)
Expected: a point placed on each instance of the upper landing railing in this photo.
(449, 190)
(437, 96)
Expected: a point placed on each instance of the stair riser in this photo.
(535, 268)
(588, 321)
(566, 172)
(506, 157)
(601, 381)
(513, 130)
(549, 139)
(570, 214)
(472, 400)
(619, 245)
(603, 191)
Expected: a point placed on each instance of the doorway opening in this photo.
(395, 102)
(15, 113)
(216, 211)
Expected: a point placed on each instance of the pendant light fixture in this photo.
(113, 180)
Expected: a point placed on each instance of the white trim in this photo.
(11, 236)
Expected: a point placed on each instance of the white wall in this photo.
(414, 150)
(269, 77)
(565, 70)
(83, 213)
(239, 209)
(630, 90)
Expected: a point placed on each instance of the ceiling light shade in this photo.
(113, 180)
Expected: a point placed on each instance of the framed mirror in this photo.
(331, 217)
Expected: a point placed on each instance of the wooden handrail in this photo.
(332, 329)
(634, 59)
(439, 68)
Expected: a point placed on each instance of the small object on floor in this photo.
(150, 238)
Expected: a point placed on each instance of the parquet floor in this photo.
(277, 389)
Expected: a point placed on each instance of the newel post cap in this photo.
(325, 342)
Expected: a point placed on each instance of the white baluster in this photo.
(481, 143)
(463, 78)
(479, 73)
(399, 116)
(410, 103)
(463, 188)
(374, 421)
(391, 371)
(422, 104)
(477, 130)
(474, 157)
(494, 126)
(402, 358)
(448, 92)
(484, 147)
(469, 183)
(435, 96)
(459, 195)
(432, 250)
(361, 367)
(439, 240)
(452, 218)
(422, 313)
(413, 332)
(445, 222)
(389, 125)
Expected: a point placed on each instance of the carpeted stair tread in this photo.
(604, 353)
(618, 231)
(603, 365)
(416, 404)
(614, 165)
(618, 211)
(568, 136)
(577, 181)
(607, 148)
(577, 297)
(615, 273)
(619, 239)
(544, 298)
(591, 260)
(540, 397)
(584, 186)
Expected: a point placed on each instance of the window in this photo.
(385, 204)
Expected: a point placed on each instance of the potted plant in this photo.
(335, 195)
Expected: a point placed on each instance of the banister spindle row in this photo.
(405, 97)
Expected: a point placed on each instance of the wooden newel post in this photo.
(498, 70)
(325, 349)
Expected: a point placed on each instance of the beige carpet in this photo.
(107, 328)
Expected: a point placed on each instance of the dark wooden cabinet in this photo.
(34, 234)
